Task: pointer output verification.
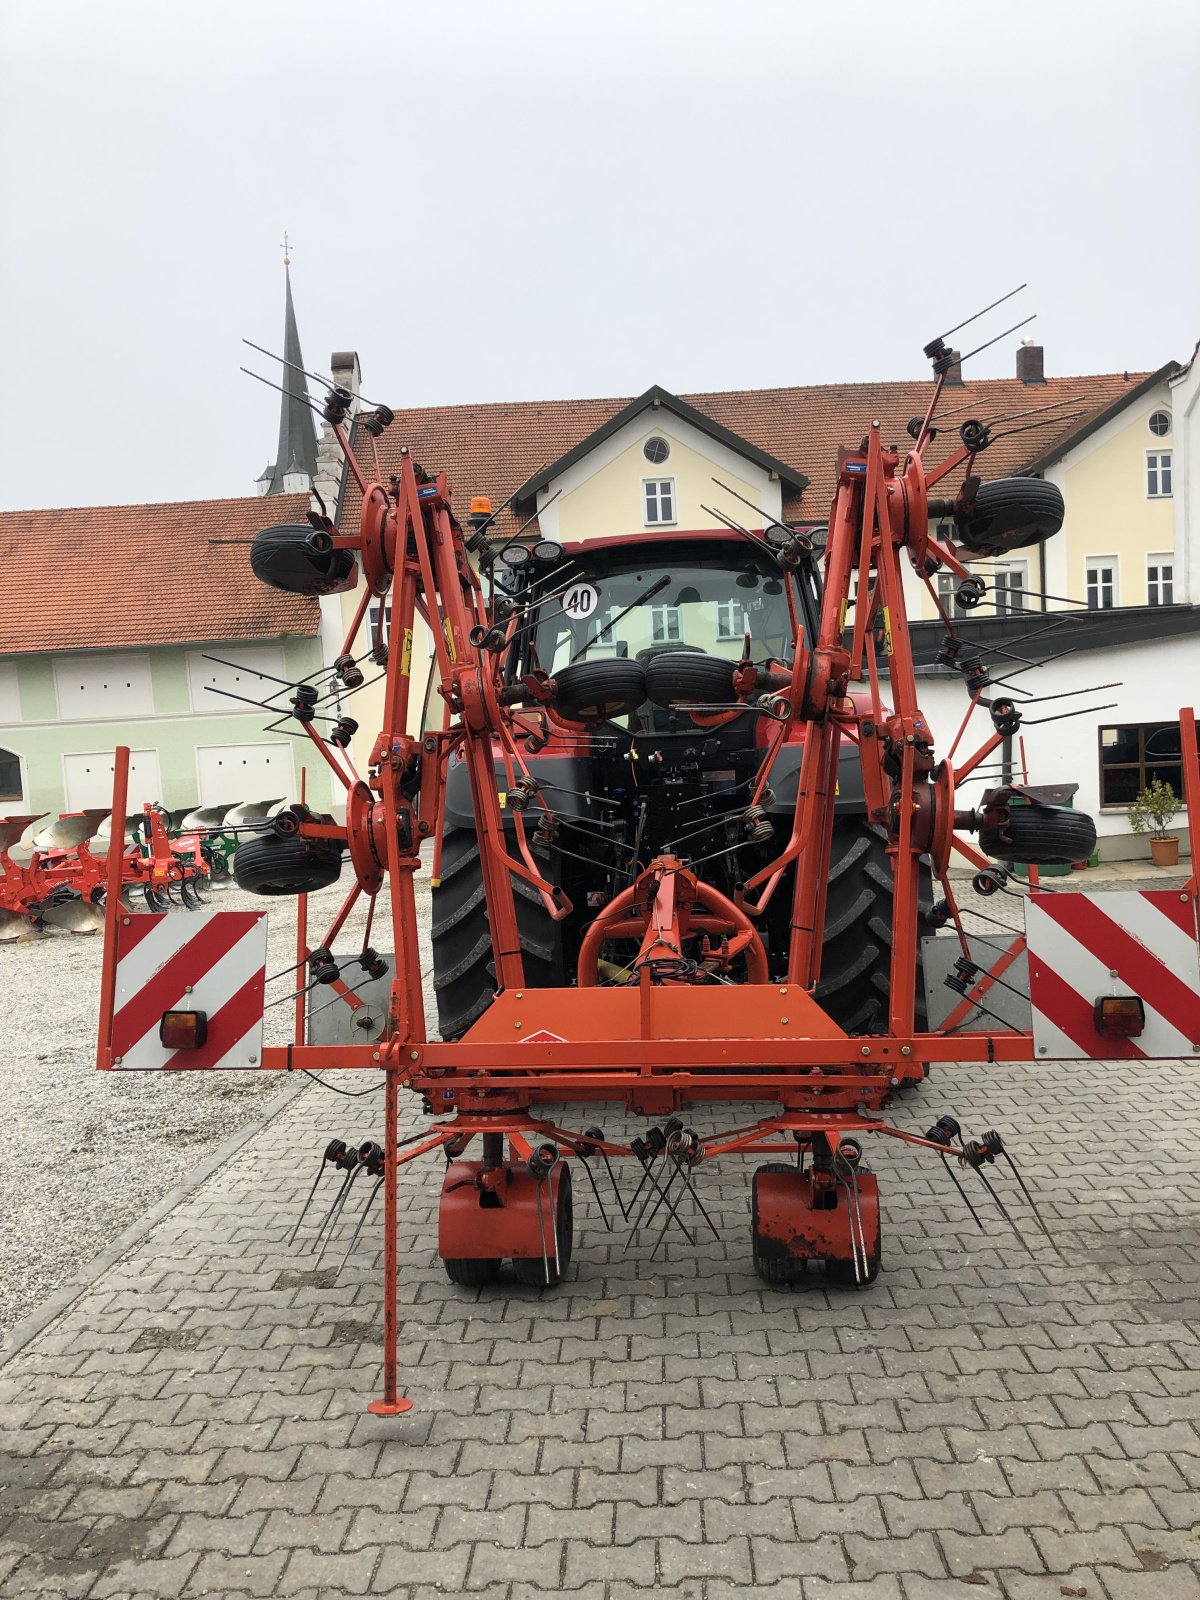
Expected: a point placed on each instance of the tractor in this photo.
(656, 748)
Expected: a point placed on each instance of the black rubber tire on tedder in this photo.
(856, 955)
(592, 691)
(682, 677)
(463, 967)
(1044, 836)
(271, 865)
(472, 1272)
(545, 1275)
(1010, 513)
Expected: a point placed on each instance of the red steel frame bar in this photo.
(113, 906)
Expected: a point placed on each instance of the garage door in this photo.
(88, 779)
(232, 774)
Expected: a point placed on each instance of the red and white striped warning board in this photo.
(214, 962)
(1118, 942)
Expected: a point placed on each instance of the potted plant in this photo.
(1153, 812)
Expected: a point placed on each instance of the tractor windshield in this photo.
(637, 604)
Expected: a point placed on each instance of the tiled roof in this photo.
(493, 449)
(115, 577)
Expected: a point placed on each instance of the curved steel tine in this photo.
(587, 1167)
(363, 1217)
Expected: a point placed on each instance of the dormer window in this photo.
(659, 500)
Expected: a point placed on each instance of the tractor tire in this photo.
(472, 1272)
(545, 1276)
(595, 691)
(463, 968)
(856, 955)
(781, 1272)
(685, 677)
(1010, 513)
(270, 865)
(1045, 836)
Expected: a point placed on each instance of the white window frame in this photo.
(738, 634)
(1155, 563)
(660, 619)
(1157, 473)
(1159, 411)
(22, 776)
(1090, 562)
(656, 498)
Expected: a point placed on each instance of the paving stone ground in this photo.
(990, 1416)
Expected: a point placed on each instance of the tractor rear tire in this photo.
(274, 866)
(781, 1272)
(856, 956)
(463, 965)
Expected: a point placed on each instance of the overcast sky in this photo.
(493, 200)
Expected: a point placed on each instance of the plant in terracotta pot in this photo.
(1153, 812)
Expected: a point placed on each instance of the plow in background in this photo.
(698, 968)
(58, 882)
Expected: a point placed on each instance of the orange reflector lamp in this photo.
(1119, 1016)
(183, 1030)
(481, 506)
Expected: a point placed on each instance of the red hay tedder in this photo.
(661, 877)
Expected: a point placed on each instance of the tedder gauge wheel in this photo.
(683, 677)
(296, 865)
(546, 1274)
(781, 1271)
(593, 691)
(1043, 835)
(473, 1272)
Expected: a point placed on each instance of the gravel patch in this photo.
(84, 1153)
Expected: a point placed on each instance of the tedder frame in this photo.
(675, 1032)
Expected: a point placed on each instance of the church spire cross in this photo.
(285, 247)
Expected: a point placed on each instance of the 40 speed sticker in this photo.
(581, 600)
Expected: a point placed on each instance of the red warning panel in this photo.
(213, 963)
(1121, 942)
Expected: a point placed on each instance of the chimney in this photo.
(1031, 362)
(954, 375)
(343, 364)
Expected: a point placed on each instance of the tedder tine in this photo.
(333, 1150)
(598, 1134)
(585, 1150)
(944, 1131)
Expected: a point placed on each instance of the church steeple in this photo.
(296, 458)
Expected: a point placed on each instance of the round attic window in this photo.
(1160, 423)
(656, 450)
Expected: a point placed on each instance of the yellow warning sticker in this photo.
(887, 630)
(842, 617)
(449, 632)
(406, 654)
(503, 798)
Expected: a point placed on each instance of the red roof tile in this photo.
(493, 449)
(116, 577)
